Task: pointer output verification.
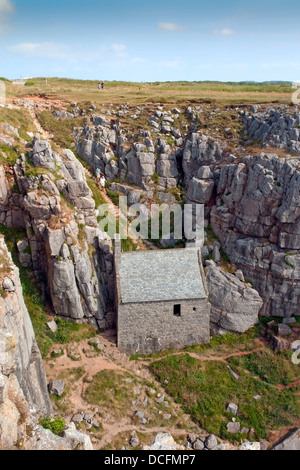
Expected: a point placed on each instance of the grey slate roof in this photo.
(163, 275)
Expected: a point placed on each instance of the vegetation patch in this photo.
(114, 391)
(272, 368)
(71, 377)
(61, 129)
(20, 119)
(56, 426)
(71, 332)
(114, 197)
(205, 388)
(111, 390)
(8, 155)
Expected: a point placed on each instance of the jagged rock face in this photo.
(71, 439)
(99, 145)
(164, 442)
(58, 211)
(289, 442)
(201, 151)
(141, 166)
(200, 190)
(15, 320)
(23, 383)
(276, 128)
(23, 386)
(235, 305)
(3, 187)
(257, 218)
(95, 146)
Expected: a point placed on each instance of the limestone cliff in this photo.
(257, 219)
(22, 378)
(24, 395)
(64, 246)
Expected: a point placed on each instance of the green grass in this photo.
(113, 196)
(119, 92)
(110, 391)
(62, 404)
(61, 130)
(20, 119)
(219, 345)
(288, 263)
(210, 235)
(56, 426)
(113, 392)
(272, 368)
(230, 342)
(71, 332)
(8, 155)
(205, 388)
(97, 195)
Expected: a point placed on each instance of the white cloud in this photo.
(119, 50)
(224, 32)
(170, 27)
(6, 8)
(118, 47)
(51, 50)
(171, 64)
(46, 50)
(295, 65)
(138, 60)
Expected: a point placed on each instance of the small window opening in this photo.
(177, 310)
(195, 310)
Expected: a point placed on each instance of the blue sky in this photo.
(155, 40)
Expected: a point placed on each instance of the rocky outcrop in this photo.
(164, 442)
(24, 396)
(277, 128)
(96, 144)
(64, 244)
(20, 347)
(257, 219)
(201, 151)
(234, 305)
(289, 442)
(4, 188)
(23, 385)
(71, 439)
(104, 146)
(140, 165)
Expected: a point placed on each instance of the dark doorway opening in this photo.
(177, 310)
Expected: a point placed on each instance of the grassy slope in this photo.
(205, 388)
(168, 92)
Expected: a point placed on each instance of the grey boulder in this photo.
(56, 388)
(235, 306)
(289, 442)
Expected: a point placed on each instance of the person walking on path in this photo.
(102, 182)
(98, 175)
